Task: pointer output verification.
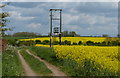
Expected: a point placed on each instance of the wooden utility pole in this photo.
(60, 19)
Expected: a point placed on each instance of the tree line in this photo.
(16, 42)
(64, 34)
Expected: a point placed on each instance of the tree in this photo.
(69, 34)
(74, 43)
(72, 33)
(118, 35)
(105, 35)
(37, 41)
(24, 34)
(65, 33)
(80, 43)
(104, 43)
(90, 43)
(45, 42)
(67, 42)
(3, 20)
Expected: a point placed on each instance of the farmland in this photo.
(102, 58)
(74, 60)
(75, 39)
(91, 60)
(82, 60)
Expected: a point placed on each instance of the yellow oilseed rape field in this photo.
(97, 60)
(74, 39)
(103, 59)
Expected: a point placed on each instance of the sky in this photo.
(61, 0)
(86, 18)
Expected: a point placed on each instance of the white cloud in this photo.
(68, 18)
(87, 19)
(17, 16)
(34, 25)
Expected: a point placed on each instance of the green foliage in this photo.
(104, 43)
(74, 43)
(26, 43)
(25, 34)
(45, 42)
(35, 64)
(97, 43)
(90, 43)
(11, 65)
(38, 42)
(11, 42)
(105, 35)
(44, 53)
(67, 42)
(69, 34)
(56, 42)
(80, 43)
(3, 21)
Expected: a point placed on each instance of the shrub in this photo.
(114, 43)
(97, 43)
(26, 43)
(62, 43)
(55, 42)
(80, 43)
(67, 42)
(104, 43)
(11, 41)
(90, 43)
(45, 42)
(74, 43)
(38, 41)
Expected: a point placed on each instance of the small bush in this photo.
(38, 41)
(67, 42)
(74, 43)
(104, 43)
(26, 43)
(80, 43)
(11, 42)
(46, 42)
(89, 43)
(56, 43)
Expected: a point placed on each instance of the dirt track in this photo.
(56, 71)
(28, 71)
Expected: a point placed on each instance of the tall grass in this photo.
(11, 65)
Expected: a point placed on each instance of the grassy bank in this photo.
(35, 64)
(11, 65)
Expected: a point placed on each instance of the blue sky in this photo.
(86, 18)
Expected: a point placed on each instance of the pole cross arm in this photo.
(55, 9)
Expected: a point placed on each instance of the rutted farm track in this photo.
(30, 72)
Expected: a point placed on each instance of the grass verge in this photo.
(11, 65)
(38, 66)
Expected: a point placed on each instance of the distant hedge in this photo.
(16, 42)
